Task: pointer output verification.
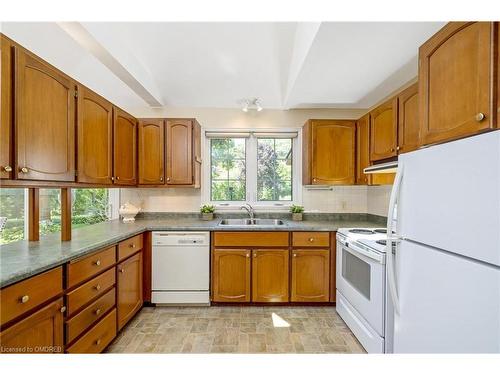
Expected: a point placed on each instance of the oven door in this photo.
(361, 280)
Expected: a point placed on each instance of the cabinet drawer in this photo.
(96, 340)
(91, 289)
(85, 268)
(253, 239)
(19, 298)
(129, 247)
(89, 315)
(311, 239)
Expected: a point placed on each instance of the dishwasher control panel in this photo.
(181, 238)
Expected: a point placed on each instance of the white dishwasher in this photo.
(181, 268)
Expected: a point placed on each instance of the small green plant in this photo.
(294, 209)
(207, 209)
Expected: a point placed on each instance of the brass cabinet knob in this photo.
(132, 245)
(398, 148)
(112, 178)
(255, 255)
(117, 178)
(311, 239)
(294, 255)
(7, 168)
(248, 255)
(122, 270)
(62, 309)
(98, 342)
(97, 311)
(24, 299)
(161, 178)
(24, 170)
(393, 149)
(168, 178)
(315, 179)
(97, 262)
(97, 287)
(480, 117)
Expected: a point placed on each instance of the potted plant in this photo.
(297, 212)
(207, 212)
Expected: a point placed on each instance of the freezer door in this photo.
(450, 197)
(448, 303)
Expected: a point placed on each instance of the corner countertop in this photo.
(22, 259)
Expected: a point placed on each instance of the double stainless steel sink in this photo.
(252, 222)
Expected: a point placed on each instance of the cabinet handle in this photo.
(97, 311)
(62, 309)
(315, 179)
(122, 270)
(24, 299)
(24, 170)
(132, 245)
(393, 149)
(255, 255)
(311, 239)
(294, 255)
(161, 178)
(7, 168)
(98, 341)
(480, 117)
(248, 255)
(97, 262)
(168, 178)
(117, 178)
(97, 287)
(112, 178)
(398, 148)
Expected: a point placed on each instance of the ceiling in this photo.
(200, 64)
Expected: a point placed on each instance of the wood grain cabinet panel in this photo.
(310, 275)
(41, 332)
(44, 120)
(363, 150)
(455, 76)
(97, 338)
(231, 275)
(95, 138)
(251, 239)
(6, 85)
(179, 152)
(129, 246)
(26, 295)
(125, 148)
(310, 239)
(129, 288)
(84, 268)
(329, 149)
(151, 152)
(270, 275)
(408, 125)
(384, 130)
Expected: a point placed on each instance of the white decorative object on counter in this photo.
(128, 211)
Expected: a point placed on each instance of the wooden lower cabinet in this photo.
(231, 275)
(129, 288)
(40, 332)
(270, 275)
(310, 275)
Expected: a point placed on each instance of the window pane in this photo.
(12, 216)
(89, 206)
(50, 211)
(228, 168)
(274, 169)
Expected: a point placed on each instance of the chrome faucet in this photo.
(249, 209)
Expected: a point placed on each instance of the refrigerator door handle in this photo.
(391, 269)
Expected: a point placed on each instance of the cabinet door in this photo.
(125, 148)
(41, 332)
(383, 130)
(44, 120)
(270, 275)
(362, 149)
(129, 293)
(151, 152)
(310, 276)
(454, 82)
(179, 152)
(408, 125)
(333, 149)
(231, 275)
(6, 165)
(95, 138)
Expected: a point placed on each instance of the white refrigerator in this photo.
(444, 271)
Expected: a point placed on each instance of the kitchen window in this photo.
(13, 210)
(259, 168)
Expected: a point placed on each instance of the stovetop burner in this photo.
(361, 231)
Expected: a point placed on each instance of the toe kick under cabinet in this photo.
(273, 267)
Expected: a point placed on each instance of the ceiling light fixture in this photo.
(252, 105)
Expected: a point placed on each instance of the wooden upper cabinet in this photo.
(129, 288)
(384, 130)
(270, 275)
(151, 152)
(179, 151)
(455, 76)
(408, 125)
(310, 276)
(125, 148)
(231, 275)
(40, 332)
(363, 150)
(44, 120)
(95, 138)
(329, 152)
(6, 162)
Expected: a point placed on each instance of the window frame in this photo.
(251, 170)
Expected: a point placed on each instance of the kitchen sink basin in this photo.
(252, 222)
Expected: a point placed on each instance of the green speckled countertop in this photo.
(22, 259)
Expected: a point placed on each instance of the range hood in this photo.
(390, 167)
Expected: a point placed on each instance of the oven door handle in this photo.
(362, 254)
